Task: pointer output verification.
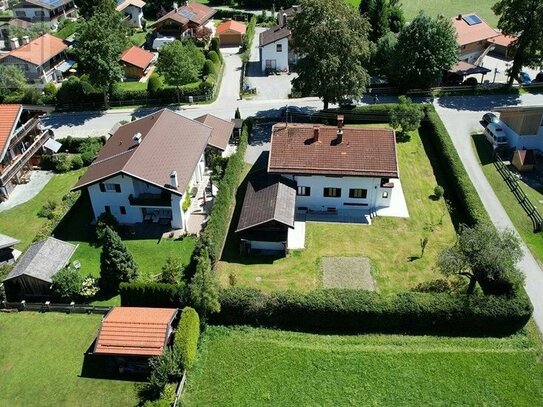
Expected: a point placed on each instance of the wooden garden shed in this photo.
(230, 33)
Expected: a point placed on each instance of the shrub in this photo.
(47, 162)
(76, 162)
(164, 368)
(89, 287)
(62, 162)
(66, 285)
(48, 209)
(209, 68)
(214, 57)
(171, 271)
(471, 82)
(151, 294)
(106, 220)
(154, 84)
(116, 263)
(186, 337)
(438, 192)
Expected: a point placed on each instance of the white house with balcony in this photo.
(132, 11)
(45, 10)
(148, 169)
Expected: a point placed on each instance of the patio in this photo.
(338, 216)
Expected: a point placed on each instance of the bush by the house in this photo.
(209, 68)
(48, 209)
(214, 57)
(165, 368)
(340, 310)
(106, 220)
(438, 191)
(171, 271)
(186, 336)
(154, 84)
(67, 285)
(151, 294)
(57, 215)
(89, 287)
(116, 263)
(215, 46)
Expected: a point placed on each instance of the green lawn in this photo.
(447, 8)
(41, 356)
(390, 243)
(23, 222)
(278, 368)
(132, 85)
(522, 222)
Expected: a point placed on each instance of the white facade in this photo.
(135, 14)
(354, 193)
(275, 56)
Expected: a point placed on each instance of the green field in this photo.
(392, 244)
(447, 8)
(522, 222)
(41, 356)
(258, 367)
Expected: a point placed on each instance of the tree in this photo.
(116, 262)
(171, 271)
(426, 49)
(482, 254)
(204, 289)
(237, 114)
(100, 41)
(383, 55)
(179, 63)
(12, 80)
(406, 115)
(396, 19)
(86, 8)
(378, 16)
(332, 42)
(523, 20)
(67, 285)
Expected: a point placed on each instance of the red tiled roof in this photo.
(503, 40)
(222, 130)
(138, 57)
(363, 152)
(195, 12)
(9, 115)
(231, 25)
(135, 331)
(468, 34)
(40, 50)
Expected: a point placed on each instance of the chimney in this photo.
(339, 138)
(174, 181)
(295, 7)
(316, 132)
(175, 6)
(26, 39)
(284, 19)
(14, 43)
(137, 138)
(459, 17)
(340, 121)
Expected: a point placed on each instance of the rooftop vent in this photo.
(174, 181)
(137, 138)
(316, 132)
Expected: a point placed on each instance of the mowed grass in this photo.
(41, 357)
(392, 244)
(518, 216)
(277, 368)
(23, 222)
(447, 8)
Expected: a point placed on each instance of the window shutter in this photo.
(102, 187)
(117, 187)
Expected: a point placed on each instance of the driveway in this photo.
(461, 118)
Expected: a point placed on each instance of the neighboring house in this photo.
(502, 46)
(275, 54)
(13, 23)
(185, 22)
(45, 10)
(230, 33)
(33, 273)
(221, 134)
(22, 139)
(523, 126)
(132, 10)
(473, 37)
(43, 60)
(137, 62)
(523, 160)
(8, 253)
(145, 170)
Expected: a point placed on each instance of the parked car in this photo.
(496, 136)
(524, 78)
(490, 118)
(161, 41)
(538, 78)
(347, 103)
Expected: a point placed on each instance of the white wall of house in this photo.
(275, 55)
(34, 12)
(376, 196)
(136, 16)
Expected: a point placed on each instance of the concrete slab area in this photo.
(25, 192)
(296, 236)
(398, 206)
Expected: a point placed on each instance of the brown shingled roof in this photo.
(169, 142)
(222, 130)
(9, 115)
(135, 331)
(273, 34)
(195, 12)
(40, 50)
(138, 57)
(364, 152)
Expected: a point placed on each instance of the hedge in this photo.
(151, 294)
(187, 336)
(356, 311)
(466, 197)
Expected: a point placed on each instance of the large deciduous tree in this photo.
(12, 80)
(406, 115)
(522, 19)
(100, 42)
(483, 255)
(332, 41)
(116, 263)
(426, 49)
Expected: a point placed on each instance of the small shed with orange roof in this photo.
(230, 33)
(137, 62)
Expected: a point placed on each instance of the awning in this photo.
(464, 68)
(65, 66)
(52, 145)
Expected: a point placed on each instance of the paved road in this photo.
(461, 118)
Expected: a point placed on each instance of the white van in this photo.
(496, 135)
(160, 41)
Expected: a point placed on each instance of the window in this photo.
(384, 181)
(108, 187)
(39, 13)
(279, 48)
(358, 193)
(20, 13)
(107, 209)
(332, 192)
(385, 195)
(122, 209)
(304, 191)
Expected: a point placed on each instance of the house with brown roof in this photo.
(184, 22)
(230, 33)
(147, 169)
(22, 140)
(45, 10)
(137, 62)
(473, 36)
(132, 10)
(43, 60)
(221, 134)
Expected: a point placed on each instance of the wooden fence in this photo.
(48, 307)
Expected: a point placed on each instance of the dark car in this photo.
(490, 118)
(538, 78)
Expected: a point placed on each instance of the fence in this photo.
(47, 306)
(523, 200)
(180, 388)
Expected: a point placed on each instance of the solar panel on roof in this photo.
(187, 14)
(52, 3)
(472, 19)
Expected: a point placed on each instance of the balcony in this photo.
(150, 200)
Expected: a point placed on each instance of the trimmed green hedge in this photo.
(467, 198)
(355, 311)
(187, 336)
(151, 294)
